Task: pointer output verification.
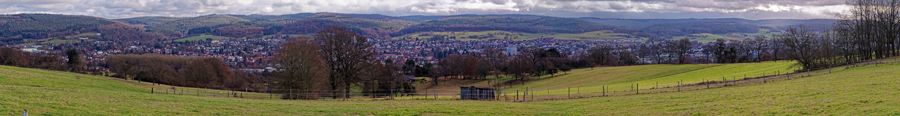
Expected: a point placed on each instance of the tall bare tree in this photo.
(495, 58)
(345, 53)
(301, 70)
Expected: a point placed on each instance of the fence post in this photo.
(734, 80)
(707, 84)
(569, 93)
(679, 85)
(604, 90)
(517, 96)
(151, 90)
(290, 93)
(435, 93)
(637, 89)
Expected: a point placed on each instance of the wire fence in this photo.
(521, 95)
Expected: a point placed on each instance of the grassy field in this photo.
(516, 36)
(203, 37)
(623, 77)
(865, 90)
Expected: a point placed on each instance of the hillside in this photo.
(21, 28)
(866, 89)
(436, 17)
(777, 24)
(38, 26)
(516, 24)
(621, 78)
(179, 26)
(239, 26)
(714, 27)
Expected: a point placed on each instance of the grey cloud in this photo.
(561, 8)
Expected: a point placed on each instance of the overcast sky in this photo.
(643, 9)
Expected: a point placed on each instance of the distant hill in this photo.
(435, 17)
(25, 26)
(237, 26)
(519, 24)
(714, 27)
(179, 26)
(39, 26)
(776, 24)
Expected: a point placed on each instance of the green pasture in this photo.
(627, 78)
(863, 90)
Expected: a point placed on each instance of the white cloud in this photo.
(562, 8)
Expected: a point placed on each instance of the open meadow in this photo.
(866, 89)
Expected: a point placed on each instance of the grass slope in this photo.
(622, 78)
(869, 90)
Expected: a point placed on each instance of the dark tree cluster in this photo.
(15, 57)
(204, 72)
(868, 31)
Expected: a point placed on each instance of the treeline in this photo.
(204, 72)
(685, 28)
(532, 61)
(522, 24)
(867, 31)
(332, 63)
(757, 49)
(15, 57)
(71, 61)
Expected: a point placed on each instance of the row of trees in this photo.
(869, 30)
(332, 63)
(15, 57)
(207, 72)
(72, 60)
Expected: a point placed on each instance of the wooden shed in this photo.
(476, 93)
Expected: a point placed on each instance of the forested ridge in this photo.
(29, 26)
(520, 24)
(715, 27)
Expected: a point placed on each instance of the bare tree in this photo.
(300, 68)
(680, 49)
(345, 53)
(495, 58)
